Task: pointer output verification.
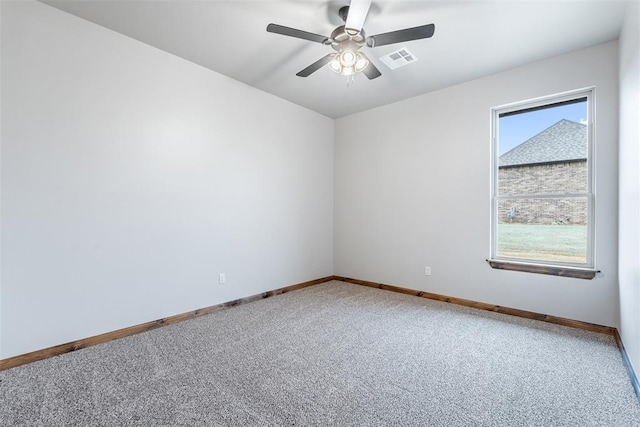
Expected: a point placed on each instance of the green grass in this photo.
(543, 242)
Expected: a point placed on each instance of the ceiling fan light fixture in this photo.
(348, 58)
(335, 65)
(348, 63)
(361, 64)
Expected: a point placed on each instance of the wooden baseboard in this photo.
(627, 363)
(45, 353)
(484, 306)
(34, 356)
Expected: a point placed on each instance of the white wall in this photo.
(412, 189)
(629, 206)
(131, 178)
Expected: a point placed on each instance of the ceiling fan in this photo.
(348, 39)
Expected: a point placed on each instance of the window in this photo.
(542, 186)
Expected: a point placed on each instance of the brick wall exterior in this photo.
(550, 178)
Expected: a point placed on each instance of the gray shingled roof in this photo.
(563, 141)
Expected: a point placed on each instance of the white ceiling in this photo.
(472, 39)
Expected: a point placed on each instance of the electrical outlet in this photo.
(222, 278)
(427, 271)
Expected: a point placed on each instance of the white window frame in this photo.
(536, 265)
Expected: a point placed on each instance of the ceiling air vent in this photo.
(399, 58)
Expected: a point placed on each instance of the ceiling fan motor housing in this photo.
(341, 40)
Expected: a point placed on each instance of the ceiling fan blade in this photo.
(358, 10)
(371, 71)
(408, 34)
(316, 65)
(292, 32)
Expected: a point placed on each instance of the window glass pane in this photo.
(543, 229)
(544, 150)
(550, 178)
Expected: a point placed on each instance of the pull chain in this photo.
(350, 80)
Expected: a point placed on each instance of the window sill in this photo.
(578, 273)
